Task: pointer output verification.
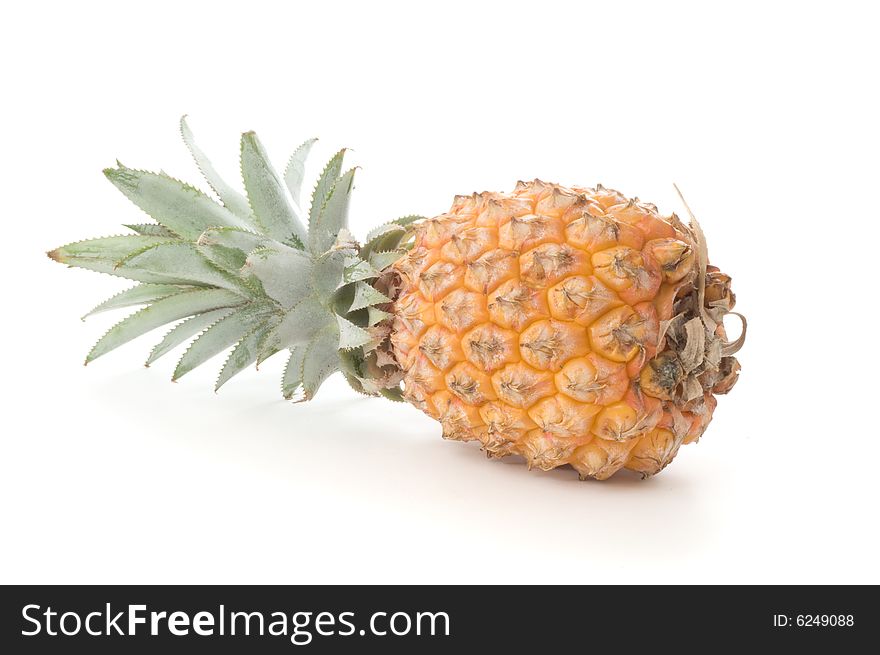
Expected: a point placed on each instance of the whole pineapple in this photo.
(565, 325)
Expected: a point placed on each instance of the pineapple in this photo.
(566, 325)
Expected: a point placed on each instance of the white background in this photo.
(766, 114)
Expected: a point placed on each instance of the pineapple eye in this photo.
(440, 278)
(521, 386)
(469, 244)
(549, 263)
(461, 310)
(489, 270)
(490, 347)
(619, 335)
(549, 344)
(676, 258)
(582, 299)
(470, 384)
(464, 387)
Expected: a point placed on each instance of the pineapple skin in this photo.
(531, 321)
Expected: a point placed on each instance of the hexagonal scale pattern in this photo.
(525, 320)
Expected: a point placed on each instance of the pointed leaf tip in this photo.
(141, 294)
(161, 312)
(295, 170)
(245, 353)
(324, 187)
(266, 193)
(320, 361)
(332, 219)
(121, 176)
(226, 332)
(184, 330)
(291, 381)
(350, 335)
(180, 207)
(365, 295)
(231, 199)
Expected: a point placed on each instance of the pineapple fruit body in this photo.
(531, 322)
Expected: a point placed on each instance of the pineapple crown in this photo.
(244, 272)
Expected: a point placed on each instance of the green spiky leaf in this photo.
(295, 171)
(320, 361)
(181, 208)
(376, 316)
(285, 275)
(220, 336)
(237, 238)
(229, 260)
(104, 255)
(324, 186)
(295, 242)
(408, 219)
(350, 335)
(177, 259)
(394, 394)
(105, 250)
(151, 230)
(356, 269)
(328, 272)
(299, 325)
(231, 199)
(350, 361)
(390, 234)
(266, 193)
(333, 216)
(382, 260)
(366, 295)
(245, 352)
(291, 382)
(141, 294)
(336, 268)
(162, 312)
(185, 330)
